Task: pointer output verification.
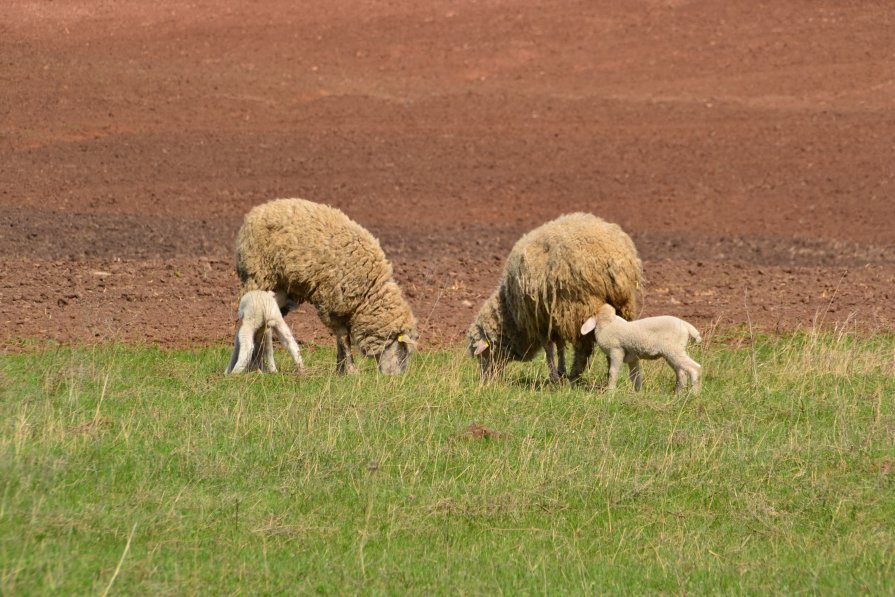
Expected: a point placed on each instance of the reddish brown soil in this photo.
(479, 431)
(747, 147)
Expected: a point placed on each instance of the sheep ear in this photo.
(480, 347)
(406, 340)
(588, 326)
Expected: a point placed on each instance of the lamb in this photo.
(258, 314)
(308, 252)
(649, 338)
(555, 277)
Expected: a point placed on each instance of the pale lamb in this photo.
(258, 314)
(648, 338)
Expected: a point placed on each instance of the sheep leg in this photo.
(555, 376)
(616, 359)
(561, 357)
(635, 373)
(583, 349)
(344, 359)
(245, 345)
(288, 340)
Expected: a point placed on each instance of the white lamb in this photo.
(260, 312)
(649, 338)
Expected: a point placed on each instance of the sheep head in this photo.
(491, 353)
(394, 359)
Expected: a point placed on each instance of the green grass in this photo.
(132, 470)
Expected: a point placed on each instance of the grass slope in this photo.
(134, 471)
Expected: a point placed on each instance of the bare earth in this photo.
(748, 148)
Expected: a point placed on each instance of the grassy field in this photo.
(131, 470)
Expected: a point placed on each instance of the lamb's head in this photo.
(284, 303)
(393, 360)
(605, 315)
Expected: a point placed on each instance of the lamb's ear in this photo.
(588, 326)
(480, 347)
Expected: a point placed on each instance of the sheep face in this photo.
(394, 359)
(491, 354)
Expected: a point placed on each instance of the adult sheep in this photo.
(555, 278)
(308, 252)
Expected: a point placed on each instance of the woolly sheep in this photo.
(258, 313)
(314, 253)
(555, 277)
(649, 338)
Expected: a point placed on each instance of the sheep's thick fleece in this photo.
(555, 277)
(314, 253)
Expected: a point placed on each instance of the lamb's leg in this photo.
(245, 344)
(269, 365)
(681, 380)
(693, 369)
(555, 377)
(344, 359)
(584, 347)
(234, 356)
(635, 373)
(683, 367)
(287, 340)
(616, 359)
(679, 373)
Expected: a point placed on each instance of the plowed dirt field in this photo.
(747, 147)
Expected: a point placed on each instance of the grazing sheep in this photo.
(649, 338)
(258, 314)
(314, 253)
(555, 277)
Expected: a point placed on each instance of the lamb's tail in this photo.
(694, 333)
